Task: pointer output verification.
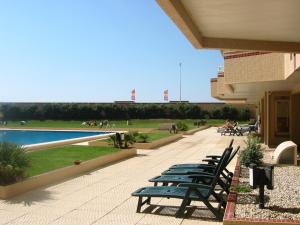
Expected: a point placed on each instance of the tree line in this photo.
(95, 111)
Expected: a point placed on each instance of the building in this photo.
(259, 41)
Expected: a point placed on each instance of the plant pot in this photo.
(77, 162)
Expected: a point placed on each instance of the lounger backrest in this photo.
(233, 154)
(225, 153)
(222, 166)
(231, 143)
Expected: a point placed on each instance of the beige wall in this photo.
(297, 60)
(223, 88)
(290, 64)
(266, 67)
(214, 87)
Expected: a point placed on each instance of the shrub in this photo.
(143, 137)
(13, 163)
(243, 189)
(253, 152)
(113, 139)
(200, 123)
(129, 139)
(181, 126)
(115, 111)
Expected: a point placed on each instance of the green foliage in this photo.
(181, 126)
(13, 163)
(243, 189)
(114, 111)
(231, 113)
(253, 152)
(143, 137)
(113, 139)
(200, 123)
(252, 122)
(129, 139)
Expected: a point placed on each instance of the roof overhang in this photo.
(268, 25)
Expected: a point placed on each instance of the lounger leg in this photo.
(182, 208)
(189, 202)
(140, 203)
(217, 214)
(220, 199)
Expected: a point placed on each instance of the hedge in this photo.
(98, 111)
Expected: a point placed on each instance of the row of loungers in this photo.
(193, 182)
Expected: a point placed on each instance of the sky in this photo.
(98, 51)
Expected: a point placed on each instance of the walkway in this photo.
(103, 196)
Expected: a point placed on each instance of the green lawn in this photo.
(146, 123)
(158, 135)
(54, 158)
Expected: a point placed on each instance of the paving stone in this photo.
(103, 196)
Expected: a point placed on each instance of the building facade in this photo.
(259, 41)
(269, 80)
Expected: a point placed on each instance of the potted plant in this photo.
(13, 163)
(253, 153)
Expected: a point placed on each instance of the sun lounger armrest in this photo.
(214, 156)
(211, 160)
(202, 175)
(210, 166)
(193, 185)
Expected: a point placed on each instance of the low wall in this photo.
(158, 143)
(63, 173)
(42, 146)
(229, 215)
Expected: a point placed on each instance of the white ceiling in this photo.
(272, 20)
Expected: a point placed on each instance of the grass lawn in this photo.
(54, 158)
(145, 123)
(158, 135)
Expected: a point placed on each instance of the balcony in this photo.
(219, 89)
(248, 67)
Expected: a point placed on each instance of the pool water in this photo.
(29, 137)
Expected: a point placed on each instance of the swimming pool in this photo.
(33, 137)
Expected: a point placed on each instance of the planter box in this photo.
(63, 173)
(190, 132)
(229, 215)
(158, 143)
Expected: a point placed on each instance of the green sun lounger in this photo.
(211, 162)
(199, 168)
(224, 183)
(188, 192)
(210, 159)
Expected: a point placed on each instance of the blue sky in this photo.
(97, 51)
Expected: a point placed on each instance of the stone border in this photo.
(158, 143)
(229, 215)
(63, 173)
(193, 131)
(52, 144)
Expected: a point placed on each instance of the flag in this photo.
(133, 95)
(166, 95)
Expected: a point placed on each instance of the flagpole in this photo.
(180, 82)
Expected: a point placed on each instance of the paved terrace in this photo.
(103, 196)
